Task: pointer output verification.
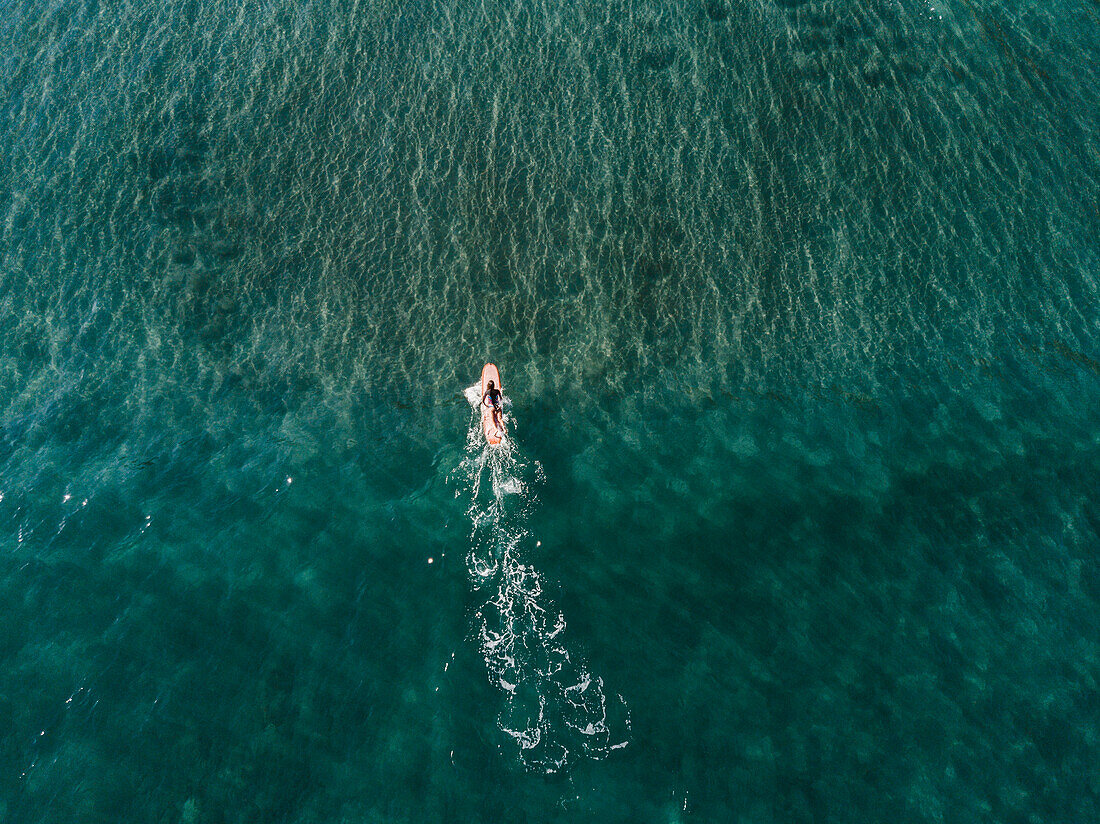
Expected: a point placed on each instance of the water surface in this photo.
(796, 308)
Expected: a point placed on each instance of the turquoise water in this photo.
(797, 310)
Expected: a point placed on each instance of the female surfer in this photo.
(492, 398)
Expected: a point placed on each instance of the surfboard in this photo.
(492, 434)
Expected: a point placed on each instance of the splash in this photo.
(554, 709)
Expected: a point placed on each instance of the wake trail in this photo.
(554, 708)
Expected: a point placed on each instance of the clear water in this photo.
(797, 306)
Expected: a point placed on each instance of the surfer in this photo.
(492, 398)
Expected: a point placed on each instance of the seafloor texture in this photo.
(797, 306)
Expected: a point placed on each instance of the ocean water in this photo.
(797, 312)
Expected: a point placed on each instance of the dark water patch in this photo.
(717, 10)
(658, 59)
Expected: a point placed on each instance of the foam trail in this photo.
(554, 709)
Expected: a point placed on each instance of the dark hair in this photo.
(490, 384)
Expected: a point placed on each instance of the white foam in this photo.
(553, 707)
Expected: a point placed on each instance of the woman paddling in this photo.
(492, 398)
